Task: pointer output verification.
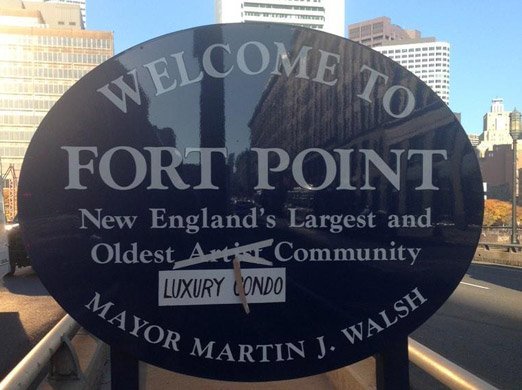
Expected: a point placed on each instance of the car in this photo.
(17, 254)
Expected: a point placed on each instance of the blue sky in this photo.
(485, 38)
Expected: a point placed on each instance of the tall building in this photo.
(495, 128)
(81, 3)
(427, 58)
(325, 15)
(378, 32)
(44, 51)
(474, 139)
(496, 166)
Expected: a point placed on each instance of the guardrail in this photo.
(25, 373)
(501, 245)
(56, 358)
(55, 350)
(444, 370)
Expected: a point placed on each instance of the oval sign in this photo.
(250, 202)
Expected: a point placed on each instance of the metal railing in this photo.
(25, 372)
(28, 370)
(443, 370)
(501, 245)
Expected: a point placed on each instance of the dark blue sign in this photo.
(250, 202)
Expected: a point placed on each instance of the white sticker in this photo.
(218, 287)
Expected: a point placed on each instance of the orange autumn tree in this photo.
(498, 213)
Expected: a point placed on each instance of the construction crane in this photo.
(10, 192)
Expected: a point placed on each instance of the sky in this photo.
(485, 38)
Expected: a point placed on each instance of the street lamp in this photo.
(515, 129)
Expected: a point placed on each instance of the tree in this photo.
(498, 213)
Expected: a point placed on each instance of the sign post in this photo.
(392, 366)
(251, 203)
(124, 370)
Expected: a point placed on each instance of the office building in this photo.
(427, 58)
(495, 128)
(324, 15)
(44, 51)
(496, 166)
(379, 31)
(474, 139)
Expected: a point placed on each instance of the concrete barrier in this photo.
(498, 256)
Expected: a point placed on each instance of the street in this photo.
(27, 313)
(479, 327)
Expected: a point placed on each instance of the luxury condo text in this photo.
(163, 176)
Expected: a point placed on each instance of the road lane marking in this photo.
(475, 285)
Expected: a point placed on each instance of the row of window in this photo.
(439, 78)
(316, 26)
(42, 72)
(16, 135)
(28, 40)
(44, 87)
(437, 56)
(378, 27)
(438, 86)
(82, 58)
(75, 42)
(26, 103)
(282, 6)
(424, 70)
(12, 151)
(366, 30)
(283, 16)
(20, 119)
(62, 23)
(430, 48)
(56, 57)
(371, 31)
(422, 61)
(424, 64)
(14, 55)
(418, 55)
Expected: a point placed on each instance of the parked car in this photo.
(17, 254)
